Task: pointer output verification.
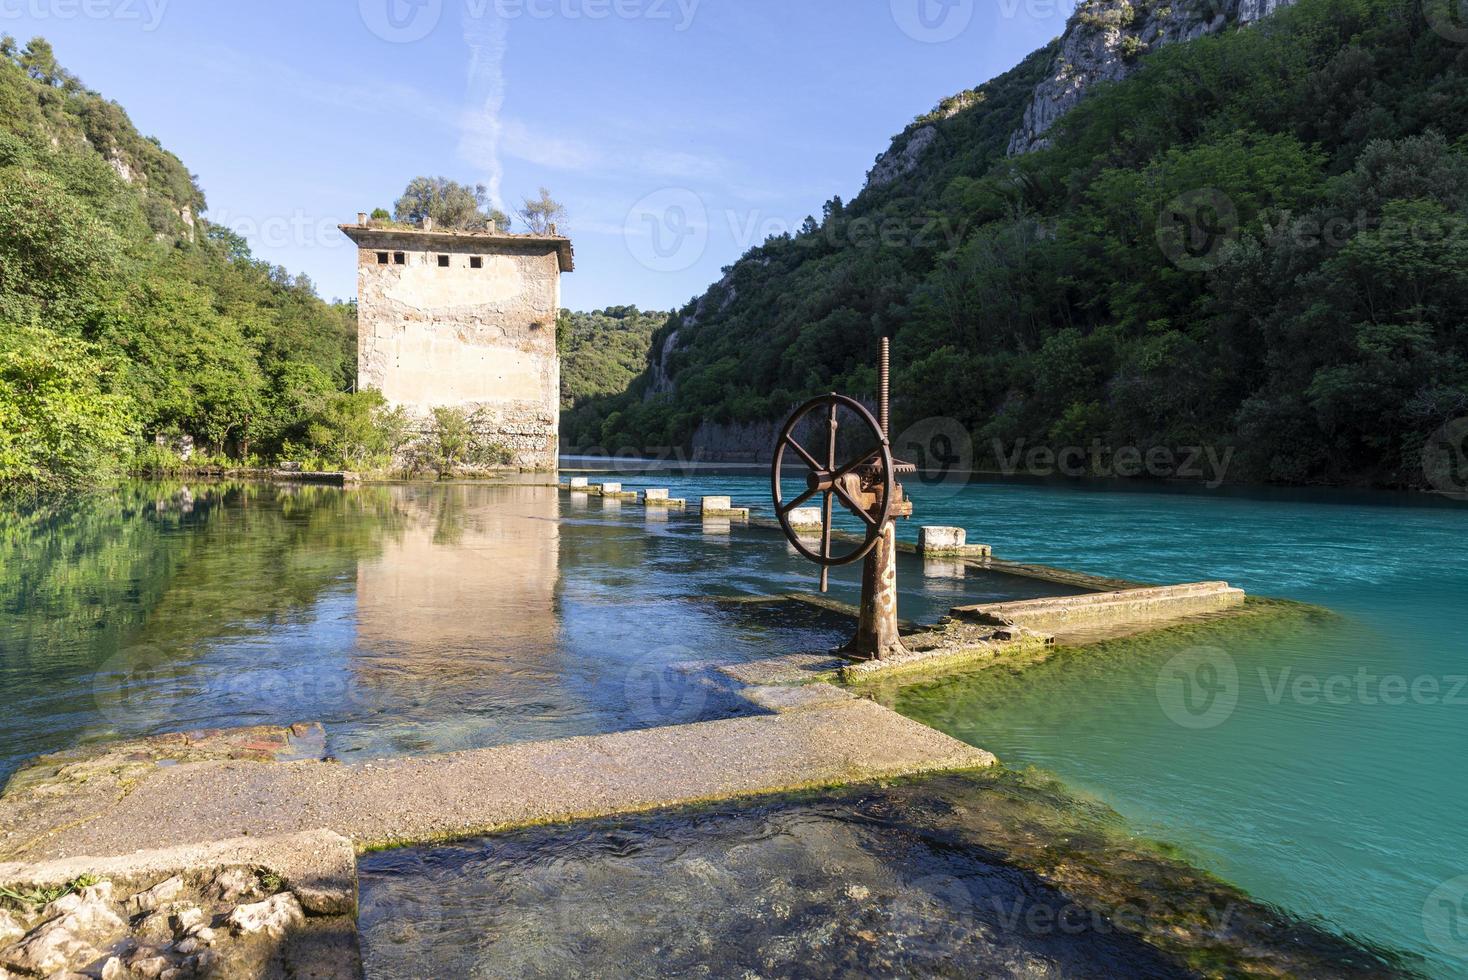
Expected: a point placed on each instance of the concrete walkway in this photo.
(819, 735)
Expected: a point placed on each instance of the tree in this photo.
(61, 423)
(454, 439)
(39, 61)
(540, 215)
(451, 205)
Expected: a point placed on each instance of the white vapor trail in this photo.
(485, 34)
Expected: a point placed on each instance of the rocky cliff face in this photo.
(1104, 40)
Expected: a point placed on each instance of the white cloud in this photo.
(559, 153)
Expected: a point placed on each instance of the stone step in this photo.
(1126, 608)
(814, 741)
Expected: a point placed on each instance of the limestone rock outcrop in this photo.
(1103, 41)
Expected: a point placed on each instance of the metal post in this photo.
(884, 389)
(877, 634)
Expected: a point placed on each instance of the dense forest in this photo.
(1060, 298)
(125, 316)
(602, 352)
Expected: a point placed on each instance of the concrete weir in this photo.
(190, 854)
(821, 736)
(181, 820)
(1123, 610)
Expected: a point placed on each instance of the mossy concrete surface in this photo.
(811, 741)
(1126, 608)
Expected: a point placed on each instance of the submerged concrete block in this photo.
(943, 568)
(806, 519)
(659, 500)
(1126, 609)
(949, 542)
(941, 539)
(722, 507)
(610, 488)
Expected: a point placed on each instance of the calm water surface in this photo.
(412, 619)
(407, 619)
(1329, 772)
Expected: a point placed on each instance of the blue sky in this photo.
(678, 133)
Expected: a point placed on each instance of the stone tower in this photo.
(465, 320)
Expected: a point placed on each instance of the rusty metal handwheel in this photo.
(824, 479)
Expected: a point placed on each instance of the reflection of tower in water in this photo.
(457, 616)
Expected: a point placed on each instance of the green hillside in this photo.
(124, 314)
(1051, 299)
(603, 351)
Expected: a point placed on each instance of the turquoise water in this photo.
(1331, 776)
(415, 619)
(406, 619)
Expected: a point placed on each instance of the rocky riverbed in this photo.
(226, 922)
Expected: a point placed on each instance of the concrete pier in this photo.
(722, 507)
(658, 497)
(1124, 610)
(818, 736)
(949, 542)
(806, 519)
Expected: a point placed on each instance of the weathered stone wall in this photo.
(482, 339)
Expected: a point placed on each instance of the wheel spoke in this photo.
(797, 502)
(831, 440)
(809, 459)
(852, 505)
(858, 461)
(826, 527)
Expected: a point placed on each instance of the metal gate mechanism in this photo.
(865, 484)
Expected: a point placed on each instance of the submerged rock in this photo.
(233, 884)
(11, 928)
(275, 916)
(164, 891)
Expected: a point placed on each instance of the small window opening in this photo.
(399, 258)
(443, 261)
(476, 262)
(382, 258)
